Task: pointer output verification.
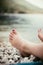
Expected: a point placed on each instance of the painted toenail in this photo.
(13, 30)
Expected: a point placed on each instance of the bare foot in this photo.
(17, 41)
(40, 35)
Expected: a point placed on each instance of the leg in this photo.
(25, 46)
(17, 41)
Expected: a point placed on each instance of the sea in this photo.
(26, 24)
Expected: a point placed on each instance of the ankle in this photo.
(22, 47)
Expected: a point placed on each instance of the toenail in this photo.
(13, 30)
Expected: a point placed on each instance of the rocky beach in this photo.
(10, 55)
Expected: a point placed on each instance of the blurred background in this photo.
(26, 24)
(21, 6)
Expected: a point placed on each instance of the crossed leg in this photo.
(25, 46)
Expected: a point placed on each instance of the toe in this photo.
(10, 36)
(14, 31)
(10, 39)
(11, 33)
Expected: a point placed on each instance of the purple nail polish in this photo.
(12, 30)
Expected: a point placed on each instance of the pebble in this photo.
(9, 54)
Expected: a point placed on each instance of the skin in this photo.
(25, 46)
(40, 35)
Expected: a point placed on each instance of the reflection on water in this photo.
(27, 25)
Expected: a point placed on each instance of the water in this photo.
(26, 24)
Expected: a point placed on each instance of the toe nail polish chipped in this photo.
(9, 54)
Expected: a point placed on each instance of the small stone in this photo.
(16, 58)
(4, 59)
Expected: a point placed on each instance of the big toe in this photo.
(14, 31)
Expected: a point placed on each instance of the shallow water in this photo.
(27, 25)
